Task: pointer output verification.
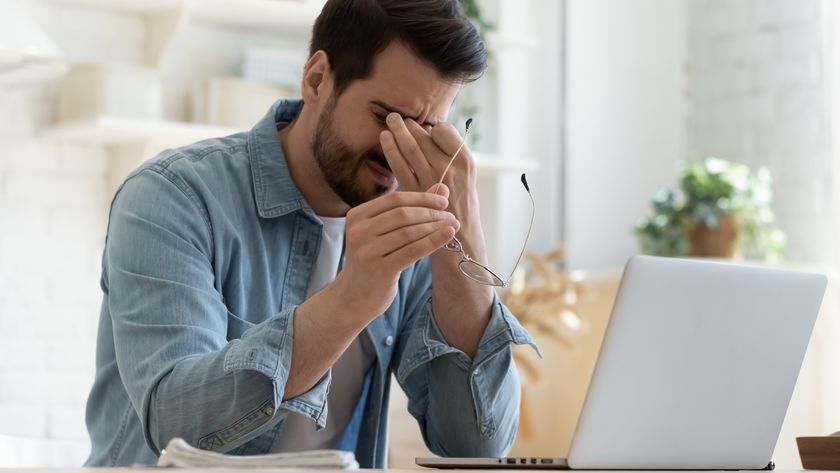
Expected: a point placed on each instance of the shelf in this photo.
(277, 15)
(264, 14)
(27, 54)
(166, 19)
(30, 71)
(109, 130)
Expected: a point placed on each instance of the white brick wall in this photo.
(757, 92)
(53, 213)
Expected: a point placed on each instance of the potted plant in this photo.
(719, 210)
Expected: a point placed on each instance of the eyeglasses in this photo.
(470, 267)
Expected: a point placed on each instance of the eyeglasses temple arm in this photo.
(454, 155)
(530, 226)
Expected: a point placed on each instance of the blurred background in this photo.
(612, 108)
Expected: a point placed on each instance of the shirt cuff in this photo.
(267, 349)
(426, 342)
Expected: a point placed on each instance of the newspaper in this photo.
(178, 453)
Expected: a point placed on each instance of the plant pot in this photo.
(721, 242)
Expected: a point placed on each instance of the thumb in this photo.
(439, 189)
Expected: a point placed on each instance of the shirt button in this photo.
(389, 340)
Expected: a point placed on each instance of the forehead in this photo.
(401, 79)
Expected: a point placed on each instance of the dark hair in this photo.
(353, 32)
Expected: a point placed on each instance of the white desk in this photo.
(220, 470)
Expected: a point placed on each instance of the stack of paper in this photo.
(178, 453)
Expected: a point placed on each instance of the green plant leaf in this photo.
(707, 191)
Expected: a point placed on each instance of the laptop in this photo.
(696, 370)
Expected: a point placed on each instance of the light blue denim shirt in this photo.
(210, 249)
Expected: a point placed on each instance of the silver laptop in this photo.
(696, 370)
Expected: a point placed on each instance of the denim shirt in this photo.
(209, 251)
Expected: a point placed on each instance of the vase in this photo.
(720, 242)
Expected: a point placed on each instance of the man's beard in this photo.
(339, 165)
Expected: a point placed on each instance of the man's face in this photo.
(346, 138)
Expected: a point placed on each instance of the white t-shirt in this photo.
(298, 431)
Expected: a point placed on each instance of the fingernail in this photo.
(393, 118)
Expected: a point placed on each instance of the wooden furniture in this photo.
(819, 453)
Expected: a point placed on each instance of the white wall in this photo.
(52, 208)
(760, 88)
(529, 116)
(653, 83)
(758, 95)
(625, 120)
(54, 199)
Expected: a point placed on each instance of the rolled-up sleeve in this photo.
(184, 377)
(464, 406)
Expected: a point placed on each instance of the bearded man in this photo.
(260, 289)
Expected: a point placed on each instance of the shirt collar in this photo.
(274, 190)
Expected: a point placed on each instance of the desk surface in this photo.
(226, 470)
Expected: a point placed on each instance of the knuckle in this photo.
(406, 233)
(354, 234)
(403, 213)
(442, 129)
(468, 161)
(400, 199)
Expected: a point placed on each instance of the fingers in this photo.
(418, 156)
(406, 176)
(408, 235)
(407, 144)
(423, 139)
(394, 231)
(439, 189)
(398, 199)
(406, 216)
(408, 254)
(446, 137)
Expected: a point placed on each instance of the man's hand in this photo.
(418, 158)
(385, 236)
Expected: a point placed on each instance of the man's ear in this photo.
(317, 78)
